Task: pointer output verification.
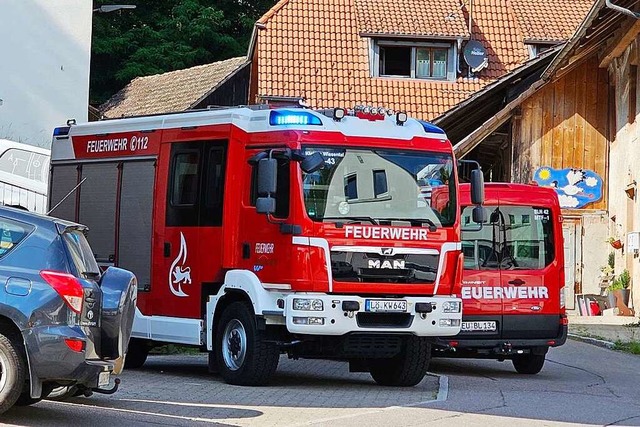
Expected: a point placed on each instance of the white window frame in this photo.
(452, 56)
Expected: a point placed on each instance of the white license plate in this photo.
(103, 379)
(484, 326)
(385, 306)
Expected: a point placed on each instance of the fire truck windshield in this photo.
(381, 186)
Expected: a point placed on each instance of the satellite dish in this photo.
(475, 55)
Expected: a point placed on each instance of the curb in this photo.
(594, 341)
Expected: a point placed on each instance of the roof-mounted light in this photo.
(283, 118)
(339, 113)
(401, 118)
(61, 131)
(431, 128)
(369, 113)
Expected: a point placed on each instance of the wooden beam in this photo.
(627, 34)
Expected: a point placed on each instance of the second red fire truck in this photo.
(257, 231)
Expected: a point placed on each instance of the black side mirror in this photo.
(494, 218)
(267, 184)
(479, 215)
(312, 163)
(477, 187)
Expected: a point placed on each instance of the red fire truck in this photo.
(257, 231)
(513, 282)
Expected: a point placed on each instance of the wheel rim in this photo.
(234, 345)
(3, 371)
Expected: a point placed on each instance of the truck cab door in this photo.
(481, 304)
(529, 273)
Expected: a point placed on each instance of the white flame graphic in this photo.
(177, 275)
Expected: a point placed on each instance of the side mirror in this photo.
(267, 185)
(479, 215)
(312, 163)
(477, 187)
(495, 217)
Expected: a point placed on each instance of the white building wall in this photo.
(44, 69)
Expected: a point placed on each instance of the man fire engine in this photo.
(257, 231)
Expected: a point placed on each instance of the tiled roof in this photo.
(442, 18)
(169, 92)
(318, 49)
(549, 20)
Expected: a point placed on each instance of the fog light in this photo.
(444, 323)
(451, 307)
(308, 320)
(308, 304)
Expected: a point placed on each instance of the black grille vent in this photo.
(375, 268)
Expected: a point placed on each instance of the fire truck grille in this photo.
(371, 345)
(375, 268)
(384, 320)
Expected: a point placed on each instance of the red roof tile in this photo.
(317, 49)
(549, 20)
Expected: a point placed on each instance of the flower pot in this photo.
(616, 244)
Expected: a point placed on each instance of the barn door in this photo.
(572, 260)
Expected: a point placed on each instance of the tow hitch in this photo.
(116, 383)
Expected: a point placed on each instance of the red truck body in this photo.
(351, 259)
(513, 281)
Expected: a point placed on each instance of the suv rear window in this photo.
(12, 233)
(80, 254)
(516, 238)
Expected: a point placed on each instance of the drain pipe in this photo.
(622, 9)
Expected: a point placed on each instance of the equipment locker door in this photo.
(572, 263)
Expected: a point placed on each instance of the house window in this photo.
(414, 60)
(536, 49)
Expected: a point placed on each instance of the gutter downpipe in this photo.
(622, 10)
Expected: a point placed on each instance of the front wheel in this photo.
(12, 373)
(528, 364)
(244, 356)
(137, 353)
(407, 368)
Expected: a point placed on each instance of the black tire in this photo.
(12, 371)
(528, 364)
(25, 398)
(252, 362)
(137, 353)
(407, 368)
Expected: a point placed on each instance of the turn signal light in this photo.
(67, 286)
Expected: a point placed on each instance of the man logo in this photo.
(396, 264)
(386, 251)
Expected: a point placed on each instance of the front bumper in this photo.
(51, 360)
(336, 321)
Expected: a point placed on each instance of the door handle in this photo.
(167, 249)
(517, 282)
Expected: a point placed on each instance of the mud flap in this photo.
(119, 296)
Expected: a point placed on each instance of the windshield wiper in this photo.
(352, 218)
(432, 225)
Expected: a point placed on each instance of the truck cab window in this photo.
(185, 179)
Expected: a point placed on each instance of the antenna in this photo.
(68, 194)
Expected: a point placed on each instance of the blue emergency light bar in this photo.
(281, 118)
(431, 128)
(61, 131)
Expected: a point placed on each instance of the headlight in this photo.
(307, 304)
(451, 307)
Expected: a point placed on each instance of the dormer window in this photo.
(414, 59)
(536, 49)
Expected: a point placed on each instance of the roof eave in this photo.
(415, 36)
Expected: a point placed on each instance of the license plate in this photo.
(385, 306)
(484, 326)
(103, 379)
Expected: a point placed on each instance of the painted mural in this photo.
(576, 188)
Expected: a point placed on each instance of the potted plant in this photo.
(619, 289)
(615, 243)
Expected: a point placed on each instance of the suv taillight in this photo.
(67, 286)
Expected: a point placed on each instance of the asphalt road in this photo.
(580, 384)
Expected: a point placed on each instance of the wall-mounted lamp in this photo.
(631, 190)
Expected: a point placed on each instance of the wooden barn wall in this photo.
(564, 125)
(234, 91)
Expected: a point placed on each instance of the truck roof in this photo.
(513, 194)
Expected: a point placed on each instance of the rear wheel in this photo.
(12, 373)
(137, 353)
(528, 364)
(243, 355)
(407, 368)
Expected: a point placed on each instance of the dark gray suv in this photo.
(63, 323)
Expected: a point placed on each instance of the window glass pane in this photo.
(351, 186)
(11, 233)
(439, 63)
(379, 182)
(423, 63)
(26, 164)
(396, 61)
(283, 189)
(213, 188)
(185, 179)
(479, 247)
(80, 253)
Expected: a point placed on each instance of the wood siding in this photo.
(564, 125)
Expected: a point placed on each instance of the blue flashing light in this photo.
(281, 118)
(431, 128)
(61, 131)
